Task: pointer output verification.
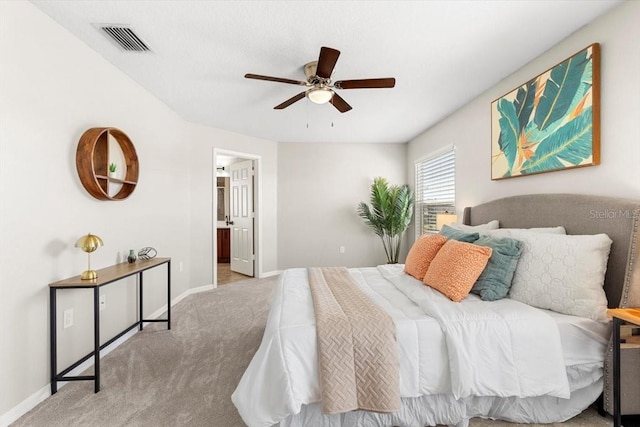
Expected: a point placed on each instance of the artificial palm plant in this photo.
(390, 214)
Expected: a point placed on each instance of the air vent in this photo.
(125, 37)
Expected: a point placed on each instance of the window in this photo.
(435, 189)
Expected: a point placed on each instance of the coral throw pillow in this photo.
(421, 254)
(456, 268)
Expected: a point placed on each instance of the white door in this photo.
(242, 217)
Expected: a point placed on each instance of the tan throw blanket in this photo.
(357, 353)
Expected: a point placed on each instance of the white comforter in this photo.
(471, 348)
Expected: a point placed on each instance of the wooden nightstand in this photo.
(620, 316)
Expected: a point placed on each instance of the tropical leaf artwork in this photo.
(551, 122)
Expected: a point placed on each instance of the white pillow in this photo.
(491, 225)
(562, 273)
(507, 232)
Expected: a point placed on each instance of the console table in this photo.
(105, 276)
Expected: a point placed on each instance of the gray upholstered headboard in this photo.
(579, 214)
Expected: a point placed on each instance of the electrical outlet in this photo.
(342, 249)
(68, 318)
(103, 302)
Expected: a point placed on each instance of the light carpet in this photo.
(185, 376)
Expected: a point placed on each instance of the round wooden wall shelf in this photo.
(92, 162)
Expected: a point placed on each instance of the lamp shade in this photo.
(89, 243)
(445, 219)
(320, 95)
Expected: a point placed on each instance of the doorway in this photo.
(235, 217)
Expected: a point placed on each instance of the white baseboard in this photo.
(25, 406)
(195, 291)
(32, 401)
(270, 274)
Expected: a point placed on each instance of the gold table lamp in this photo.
(445, 218)
(89, 243)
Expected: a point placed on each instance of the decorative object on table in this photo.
(550, 123)
(112, 170)
(89, 243)
(147, 253)
(92, 163)
(131, 258)
(390, 214)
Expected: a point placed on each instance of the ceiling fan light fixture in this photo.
(320, 95)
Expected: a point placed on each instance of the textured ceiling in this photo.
(442, 54)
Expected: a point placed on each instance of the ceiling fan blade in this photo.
(326, 62)
(388, 82)
(290, 101)
(340, 103)
(275, 79)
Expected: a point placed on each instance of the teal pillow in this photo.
(495, 281)
(461, 236)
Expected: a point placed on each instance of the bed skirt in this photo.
(445, 410)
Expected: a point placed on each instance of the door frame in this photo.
(257, 205)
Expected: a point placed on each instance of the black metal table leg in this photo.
(169, 295)
(140, 299)
(96, 337)
(616, 372)
(53, 340)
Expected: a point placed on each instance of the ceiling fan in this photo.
(320, 89)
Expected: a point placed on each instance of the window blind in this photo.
(435, 189)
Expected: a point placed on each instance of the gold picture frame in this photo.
(550, 123)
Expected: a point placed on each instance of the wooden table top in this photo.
(631, 315)
(110, 274)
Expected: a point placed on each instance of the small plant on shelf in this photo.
(112, 170)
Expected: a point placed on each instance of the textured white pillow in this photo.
(562, 273)
(491, 225)
(506, 232)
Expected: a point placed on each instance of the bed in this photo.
(556, 366)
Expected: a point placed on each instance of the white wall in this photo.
(202, 186)
(319, 188)
(52, 88)
(618, 174)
